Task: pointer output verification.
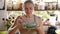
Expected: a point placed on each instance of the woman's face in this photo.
(29, 8)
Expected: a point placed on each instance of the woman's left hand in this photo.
(37, 28)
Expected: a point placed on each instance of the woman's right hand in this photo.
(19, 21)
(15, 26)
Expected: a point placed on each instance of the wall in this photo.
(3, 14)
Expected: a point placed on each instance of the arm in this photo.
(40, 28)
(14, 27)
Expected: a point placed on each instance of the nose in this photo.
(28, 10)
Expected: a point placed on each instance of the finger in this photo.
(20, 20)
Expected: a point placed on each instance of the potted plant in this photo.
(7, 22)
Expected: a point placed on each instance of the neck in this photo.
(29, 15)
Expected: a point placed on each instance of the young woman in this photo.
(28, 18)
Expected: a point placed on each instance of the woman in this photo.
(30, 18)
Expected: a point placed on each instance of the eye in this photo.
(26, 8)
(31, 8)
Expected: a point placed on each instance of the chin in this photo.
(28, 13)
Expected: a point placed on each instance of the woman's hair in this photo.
(28, 1)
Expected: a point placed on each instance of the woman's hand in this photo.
(39, 28)
(19, 23)
(16, 25)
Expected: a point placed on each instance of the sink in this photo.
(58, 31)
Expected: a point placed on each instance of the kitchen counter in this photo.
(3, 32)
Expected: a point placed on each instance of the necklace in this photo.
(29, 16)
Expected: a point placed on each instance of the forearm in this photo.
(40, 31)
(12, 31)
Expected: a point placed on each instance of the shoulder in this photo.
(37, 16)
